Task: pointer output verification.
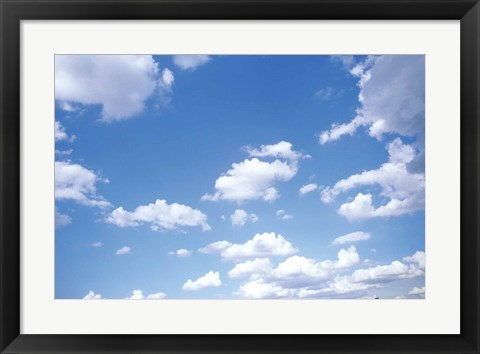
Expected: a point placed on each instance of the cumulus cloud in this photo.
(260, 246)
(138, 295)
(301, 277)
(298, 267)
(283, 150)
(417, 291)
(123, 250)
(405, 190)
(240, 217)
(190, 62)
(156, 296)
(182, 253)
(165, 86)
(337, 287)
(97, 244)
(259, 289)
(392, 97)
(282, 215)
(390, 272)
(254, 179)
(61, 133)
(251, 179)
(418, 258)
(292, 277)
(61, 219)
(351, 237)
(92, 296)
(160, 215)
(209, 280)
(75, 182)
(167, 79)
(307, 188)
(257, 267)
(119, 83)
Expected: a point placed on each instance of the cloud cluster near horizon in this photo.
(302, 277)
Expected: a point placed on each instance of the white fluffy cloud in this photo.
(282, 215)
(307, 188)
(165, 86)
(92, 296)
(293, 275)
(138, 295)
(97, 244)
(259, 289)
(61, 219)
(209, 280)
(260, 246)
(120, 83)
(75, 182)
(338, 286)
(61, 133)
(156, 296)
(394, 271)
(405, 190)
(418, 258)
(297, 267)
(190, 62)
(392, 97)
(240, 217)
(182, 253)
(254, 179)
(351, 237)
(282, 150)
(160, 215)
(251, 179)
(257, 267)
(301, 277)
(167, 79)
(123, 250)
(417, 291)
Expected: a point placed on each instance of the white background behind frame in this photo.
(439, 313)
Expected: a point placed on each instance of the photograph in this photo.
(239, 177)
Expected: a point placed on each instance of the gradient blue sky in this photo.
(133, 130)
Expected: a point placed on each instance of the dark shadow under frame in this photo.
(13, 11)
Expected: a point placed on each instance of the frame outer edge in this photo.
(9, 175)
(10, 172)
(470, 177)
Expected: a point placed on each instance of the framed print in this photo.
(239, 176)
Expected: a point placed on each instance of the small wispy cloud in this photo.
(182, 253)
(282, 215)
(123, 250)
(350, 238)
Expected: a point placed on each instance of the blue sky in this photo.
(239, 177)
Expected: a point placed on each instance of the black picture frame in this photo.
(12, 12)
